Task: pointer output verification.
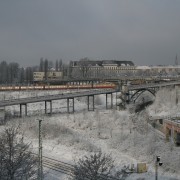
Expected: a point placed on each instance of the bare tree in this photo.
(13, 69)
(84, 66)
(50, 64)
(41, 65)
(21, 75)
(16, 160)
(46, 69)
(3, 72)
(57, 65)
(60, 65)
(95, 167)
(29, 74)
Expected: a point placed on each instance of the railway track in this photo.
(65, 168)
(58, 166)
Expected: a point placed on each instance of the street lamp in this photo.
(157, 163)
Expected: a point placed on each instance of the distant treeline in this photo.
(11, 73)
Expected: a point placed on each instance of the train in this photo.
(57, 87)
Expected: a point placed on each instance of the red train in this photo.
(57, 87)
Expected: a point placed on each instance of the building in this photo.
(38, 76)
(172, 130)
(100, 63)
(104, 68)
(51, 75)
(158, 70)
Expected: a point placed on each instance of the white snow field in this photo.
(126, 136)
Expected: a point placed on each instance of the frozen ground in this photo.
(128, 137)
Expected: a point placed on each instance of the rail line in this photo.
(58, 166)
(65, 168)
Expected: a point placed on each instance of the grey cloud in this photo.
(146, 32)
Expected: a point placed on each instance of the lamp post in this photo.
(157, 163)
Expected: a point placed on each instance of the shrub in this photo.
(95, 167)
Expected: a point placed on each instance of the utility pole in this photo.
(40, 168)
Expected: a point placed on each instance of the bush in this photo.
(95, 167)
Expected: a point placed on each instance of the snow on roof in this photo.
(143, 67)
(157, 67)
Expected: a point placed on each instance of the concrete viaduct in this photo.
(129, 91)
(69, 96)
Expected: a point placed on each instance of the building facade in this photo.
(51, 75)
(104, 68)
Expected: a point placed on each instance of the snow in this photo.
(143, 67)
(127, 136)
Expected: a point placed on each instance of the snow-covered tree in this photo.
(95, 167)
(16, 160)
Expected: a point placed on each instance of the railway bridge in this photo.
(68, 96)
(132, 92)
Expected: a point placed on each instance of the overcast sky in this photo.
(144, 31)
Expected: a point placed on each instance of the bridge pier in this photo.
(107, 100)
(88, 98)
(45, 107)
(68, 107)
(25, 105)
(50, 101)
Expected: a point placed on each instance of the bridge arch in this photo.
(135, 96)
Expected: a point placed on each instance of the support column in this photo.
(50, 107)
(88, 102)
(50, 103)
(25, 109)
(111, 100)
(73, 104)
(20, 110)
(68, 105)
(106, 102)
(45, 107)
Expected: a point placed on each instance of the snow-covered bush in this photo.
(96, 167)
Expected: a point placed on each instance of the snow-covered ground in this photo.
(127, 136)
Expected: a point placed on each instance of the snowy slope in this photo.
(128, 137)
